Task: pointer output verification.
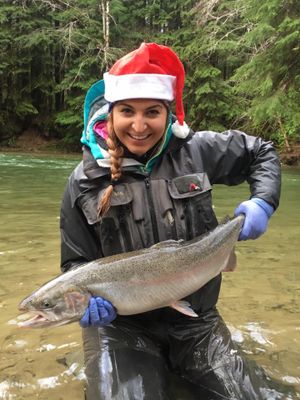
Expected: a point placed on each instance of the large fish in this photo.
(137, 281)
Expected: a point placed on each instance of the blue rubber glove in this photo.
(257, 213)
(99, 312)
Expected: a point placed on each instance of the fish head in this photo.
(46, 308)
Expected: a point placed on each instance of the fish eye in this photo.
(46, 303)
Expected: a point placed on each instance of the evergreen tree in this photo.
(241, 59)
(270, 79)
(86, 55)
(25, 65)
(208, 45)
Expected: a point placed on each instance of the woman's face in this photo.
(139, 123)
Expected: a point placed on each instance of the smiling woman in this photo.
(145, 179)
(139, 123)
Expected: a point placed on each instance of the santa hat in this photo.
(152, 71)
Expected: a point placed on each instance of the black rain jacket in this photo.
(172, 201)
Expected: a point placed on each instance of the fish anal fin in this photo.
(231, 263)
(184, 307)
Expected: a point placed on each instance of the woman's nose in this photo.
(139, 124)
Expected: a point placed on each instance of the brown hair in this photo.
(115, 151)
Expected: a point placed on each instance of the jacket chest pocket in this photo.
(191, 195)
(115, 231)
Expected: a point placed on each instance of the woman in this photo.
(146, 177)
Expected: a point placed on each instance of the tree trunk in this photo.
(285, 135)
(105, 21)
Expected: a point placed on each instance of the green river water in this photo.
(259, 301)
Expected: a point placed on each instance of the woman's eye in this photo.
(126, 110)
(153, 113)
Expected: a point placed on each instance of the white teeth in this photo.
(139, 137)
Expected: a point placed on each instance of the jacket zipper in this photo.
(152, 211)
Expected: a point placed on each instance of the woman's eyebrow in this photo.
(154, 106)
(124, 104)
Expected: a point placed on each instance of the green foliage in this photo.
(270, 78)
(210, 54)
(241, 59)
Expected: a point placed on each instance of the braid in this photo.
(115, 151)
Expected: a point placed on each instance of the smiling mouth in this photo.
(139, 137)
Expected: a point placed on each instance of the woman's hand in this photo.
(257, 213)
(99, 312)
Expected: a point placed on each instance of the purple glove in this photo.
(257, 213)
(99, 312)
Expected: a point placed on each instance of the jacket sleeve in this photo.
(78, 240)
(233, 157)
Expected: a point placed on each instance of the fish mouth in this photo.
(37, 319)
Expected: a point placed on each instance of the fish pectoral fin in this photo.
(231, 263)
(184, 307)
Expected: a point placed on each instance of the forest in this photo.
(242, 61)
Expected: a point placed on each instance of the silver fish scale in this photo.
(150, 278)
(168, 273)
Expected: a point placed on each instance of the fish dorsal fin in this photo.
(167, 243)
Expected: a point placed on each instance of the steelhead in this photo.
(137, 281)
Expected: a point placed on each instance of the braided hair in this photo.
(115, 151)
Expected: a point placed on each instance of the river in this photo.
(259, 301)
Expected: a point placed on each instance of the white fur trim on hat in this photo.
(180, 131)
(139, 86)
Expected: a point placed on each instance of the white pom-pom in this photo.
(180, 131)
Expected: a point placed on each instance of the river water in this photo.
(259, 301)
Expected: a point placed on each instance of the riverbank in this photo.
(290, 156)
(32, 142)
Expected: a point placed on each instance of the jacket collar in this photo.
(94, 169)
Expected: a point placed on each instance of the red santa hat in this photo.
(152, 71)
